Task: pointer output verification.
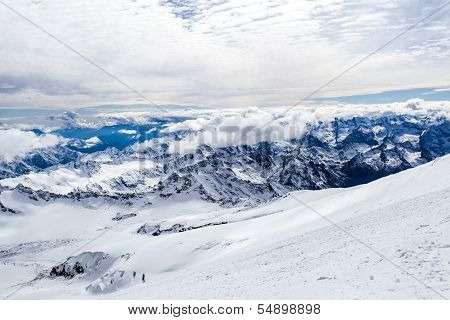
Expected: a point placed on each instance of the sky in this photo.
(430, 94)
(224, 53)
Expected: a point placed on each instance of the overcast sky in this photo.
(216, 53)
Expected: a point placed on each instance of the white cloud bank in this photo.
(126, 131)
(232, 128)
(15, 142)
(221, 53)
(91, 142)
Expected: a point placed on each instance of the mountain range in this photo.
(301, 217)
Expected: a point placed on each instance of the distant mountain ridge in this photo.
(340, 153)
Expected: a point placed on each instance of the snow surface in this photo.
(65, 180)
(282, 249)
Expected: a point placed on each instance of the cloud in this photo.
(125, 131)
(221, 52)
(246, 127)
(92, 142)
(441, 90)
(16, 143)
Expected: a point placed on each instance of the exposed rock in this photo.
(155, 230)
(435, 141)
(84, 263)
(7, 210)
(124, 216)
(150, 229)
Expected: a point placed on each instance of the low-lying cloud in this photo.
(15, 143)
(253, 125)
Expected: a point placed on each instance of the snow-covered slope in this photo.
(391, 241)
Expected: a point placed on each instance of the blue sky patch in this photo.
(428, 94)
